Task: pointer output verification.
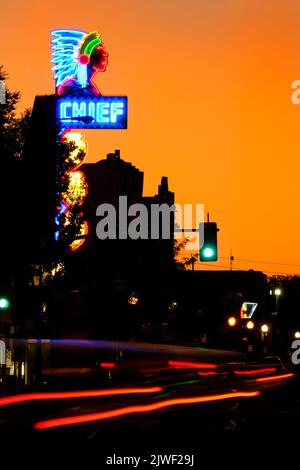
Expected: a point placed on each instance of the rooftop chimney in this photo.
(114, 155)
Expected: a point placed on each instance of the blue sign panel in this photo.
(92, 112)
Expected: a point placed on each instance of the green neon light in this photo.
(91, 46)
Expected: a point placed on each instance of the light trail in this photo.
(11, 400)
(255, 371)
(192, 365)
(79, 419)
(275, 377)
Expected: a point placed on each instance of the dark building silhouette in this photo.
(106, 271)
(112, 177)
(163, 247)
(39, 182)
(108, 180)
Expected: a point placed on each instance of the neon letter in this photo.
(117, 109)
(79, 109)
(63, 111)
(92, 110)
(102, 111)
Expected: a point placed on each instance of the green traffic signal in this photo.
(4, 303)
(208, 253)
(208, 235)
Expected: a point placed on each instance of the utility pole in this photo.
(231, 260)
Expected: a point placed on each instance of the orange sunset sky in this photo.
(209, 90)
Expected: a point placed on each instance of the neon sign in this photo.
(247, 309)
(101, 112)
(77, 57)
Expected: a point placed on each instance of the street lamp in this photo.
(297, 334)
(250, 325)
(264, 331)
(277, 292)
(231, 321)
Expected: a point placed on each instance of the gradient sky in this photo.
(209, 89)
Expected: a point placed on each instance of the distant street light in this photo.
(250, 325)
(264, 332)
(277, 292)
(173, 305)
(231, 321)
(264, 328)
(297, 334)
(133, 299)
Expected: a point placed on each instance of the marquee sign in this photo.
(99, 112)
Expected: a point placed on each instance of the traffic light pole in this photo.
(208, 250)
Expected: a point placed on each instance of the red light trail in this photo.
(255, 371)
(275, 377)
(191, 365)
(209, 373)
(107, 365)
(54, 423)
(80, 394)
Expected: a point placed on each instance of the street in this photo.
(158, 403)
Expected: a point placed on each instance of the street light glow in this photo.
(231, 321)
(133, 299)
(264, 328)
(297, 334)
(250, 325)
(277, 291)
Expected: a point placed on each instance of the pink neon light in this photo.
(95, 88)
(84, 59)
(54, 423)
(191, 365)
(11, 400)
(104, 59)
(63, 84)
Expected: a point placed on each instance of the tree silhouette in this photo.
(13, 129)
(13, 132)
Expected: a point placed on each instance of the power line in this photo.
(255, 261)
(218, 267)
(262, 262)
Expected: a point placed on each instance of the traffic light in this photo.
(209, 249)
(4, 303)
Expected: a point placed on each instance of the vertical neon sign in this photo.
(77, 57)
